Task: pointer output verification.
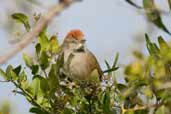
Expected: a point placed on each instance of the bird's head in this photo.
(75, 40)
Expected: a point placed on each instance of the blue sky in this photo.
(109, 27)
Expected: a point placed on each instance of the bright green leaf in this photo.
(44, 42)
(10, 73)
(28, 60)
(162, 43)
(54, 46)
(3, 74)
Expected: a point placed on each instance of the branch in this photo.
(141, 107)
(30, 97)
(44, 20)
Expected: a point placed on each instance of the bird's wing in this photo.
(95, 62)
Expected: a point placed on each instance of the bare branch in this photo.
(44, 20)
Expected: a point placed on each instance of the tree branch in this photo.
(44, 20)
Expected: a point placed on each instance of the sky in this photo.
(110, 26)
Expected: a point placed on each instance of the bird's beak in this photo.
(81, 46)
(83, 41)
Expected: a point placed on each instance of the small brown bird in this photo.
(83, 62)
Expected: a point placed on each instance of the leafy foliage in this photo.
(146, 90)
(152, 13)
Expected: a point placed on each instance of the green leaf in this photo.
(44, 85)
(38, 49)
(169, 2)
(28, 60)
(162, 110)
(17, 70)
(111, 70)
(36, 110)
(35, 69)
(3, 74)
(106, 102)
(107, 64)
(22, 80)
(60, 62)
(133, 4)
(68, 111)
(22, 77)
(152, 47)
(54, 45)
(44, 60)
(153, 15)
(35, 86)
(162, 43)
(53, 78)
(116, 60)
(11, 74)
(22, 18)
(121, 87)
(43, 40)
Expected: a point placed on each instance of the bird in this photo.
(79, 61)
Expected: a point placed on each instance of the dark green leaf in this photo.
(106, 102)
(133, 4)
(111, 70)
(44, 60)
(36, 110)
(17, 70)
(35, 69)
(22, 18)
(107, 64)
(121, 87)
(38, 49)
(116, 60)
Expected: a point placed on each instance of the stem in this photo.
(4, 81)
(30, 97)
(45, 73)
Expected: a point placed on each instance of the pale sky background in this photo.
(109, 27)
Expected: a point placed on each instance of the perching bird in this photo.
(79, 62)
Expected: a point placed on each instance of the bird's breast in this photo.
(81, 64)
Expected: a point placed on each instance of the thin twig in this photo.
(4, 81)
(30, 97)
(44, 20)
